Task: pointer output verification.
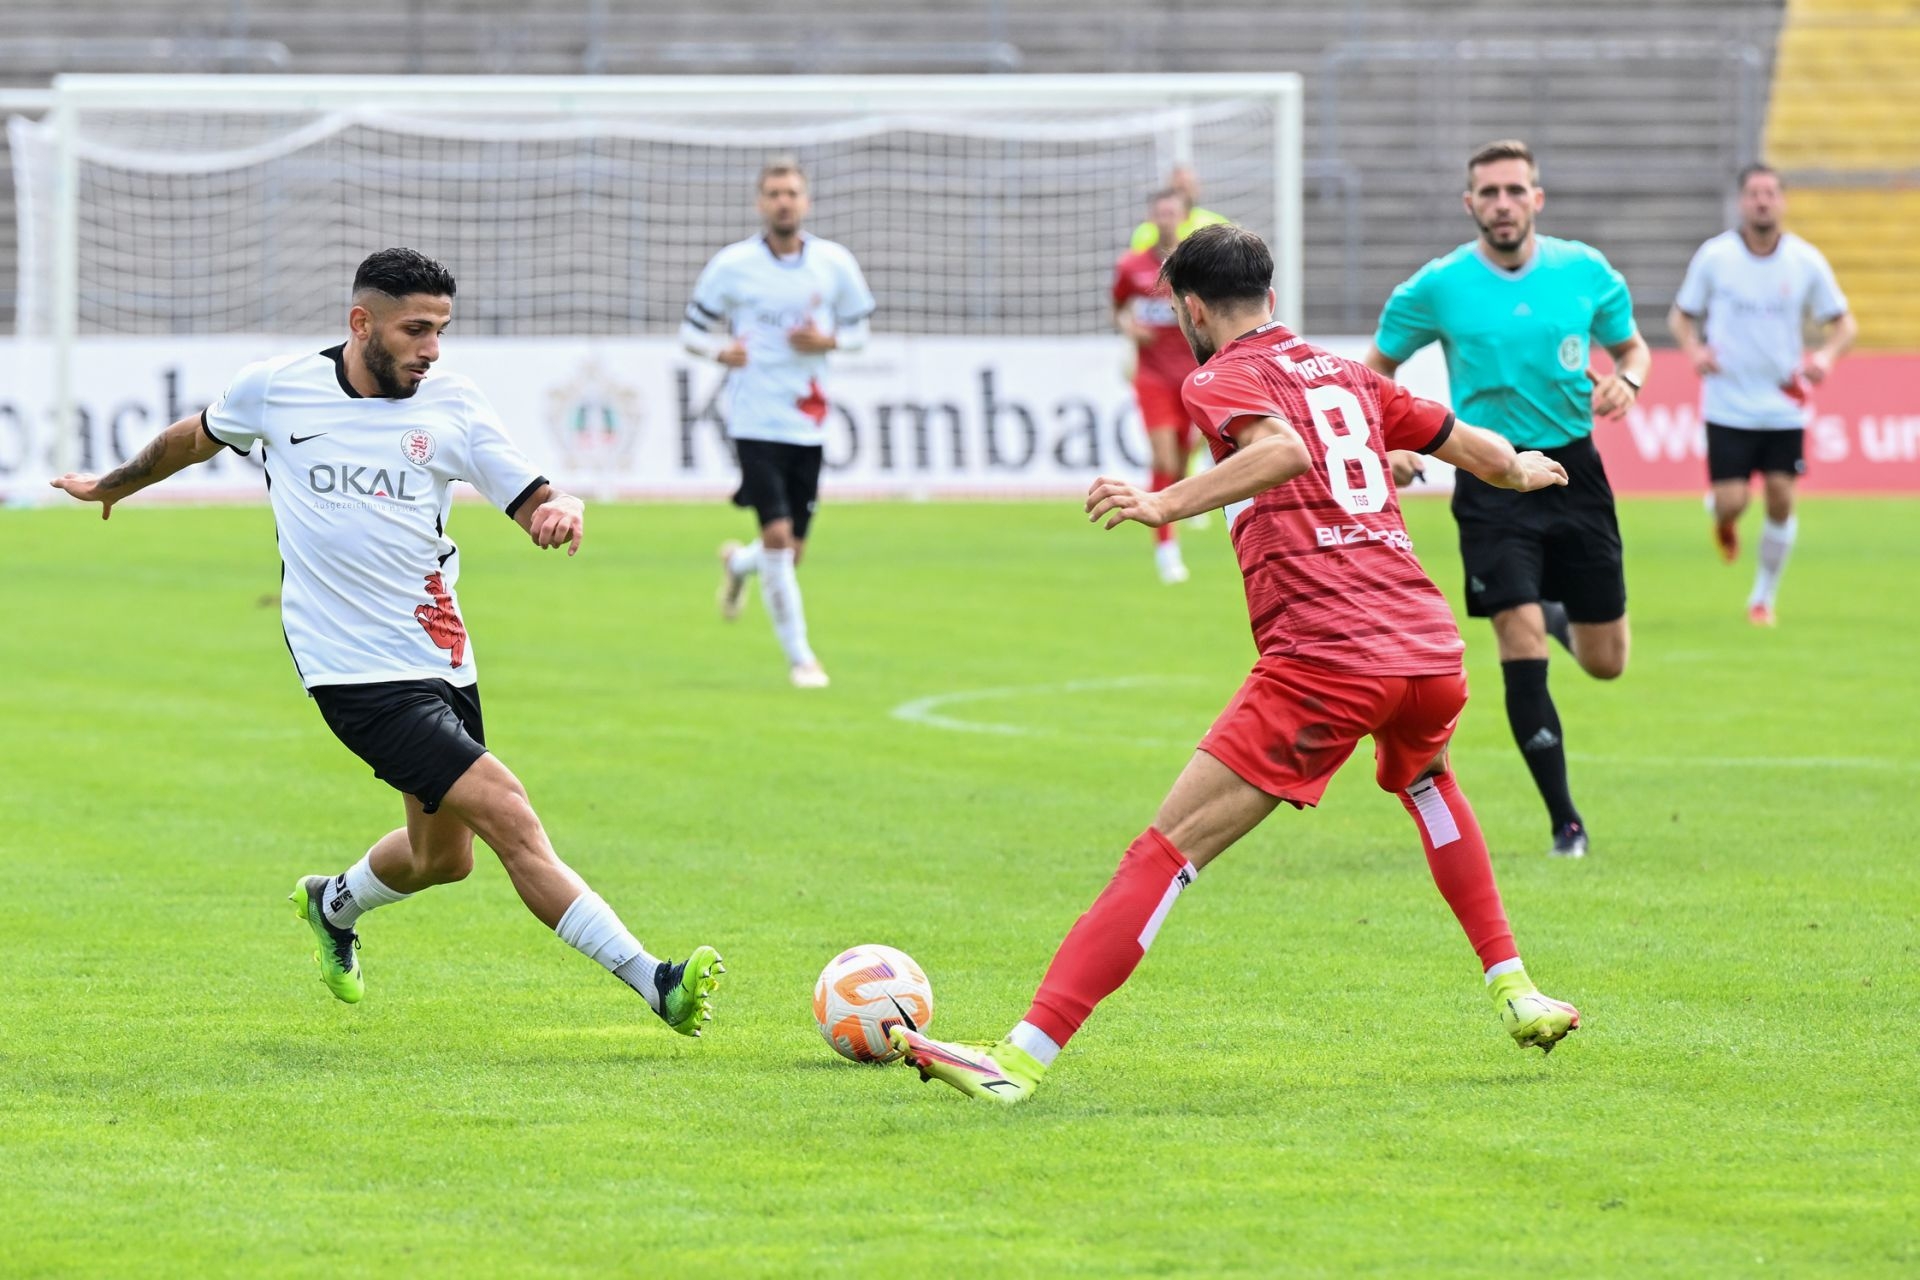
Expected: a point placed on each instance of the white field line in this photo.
(934, 712)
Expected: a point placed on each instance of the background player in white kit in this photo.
(361, 447)
(1754, 288)
(770, 308)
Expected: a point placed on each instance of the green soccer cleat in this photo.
(1533, 1020)
(686, 990)
(1001, 1072)
(339, 966)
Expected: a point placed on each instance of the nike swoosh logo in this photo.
(904, 1015)
(303, 439)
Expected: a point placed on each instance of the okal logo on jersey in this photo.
(417, 447)
(360, 482)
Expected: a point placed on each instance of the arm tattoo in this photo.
(140, 469)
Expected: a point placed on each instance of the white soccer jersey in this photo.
(759, 298)
(1754, 309)
(361, 490)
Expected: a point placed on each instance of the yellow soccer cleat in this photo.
(339, 966)
(1533, 1020)
(686, 990)
(998, 1072)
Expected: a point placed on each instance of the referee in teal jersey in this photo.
(1514, 312)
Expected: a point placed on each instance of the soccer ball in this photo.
(864, 991)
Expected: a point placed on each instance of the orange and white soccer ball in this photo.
(864, 991)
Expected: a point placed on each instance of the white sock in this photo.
(1036, 1043)
(1505, 966)
(745, 560)
(354, 892)
(1776, 544)
(780, 590)
(590, 927)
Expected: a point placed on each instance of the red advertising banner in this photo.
(1863, 435)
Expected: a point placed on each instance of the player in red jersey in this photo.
(1354, 640)
(1143, 311)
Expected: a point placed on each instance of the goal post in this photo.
(176, 206)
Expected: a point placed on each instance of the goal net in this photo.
(976, 205)
(982, 205)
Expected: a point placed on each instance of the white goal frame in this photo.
(562, 98)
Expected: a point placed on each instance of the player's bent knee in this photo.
(1610, 665)
(449, 868)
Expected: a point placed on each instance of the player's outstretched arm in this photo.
(1489, 456)
(1269, 454)
(553, 519)
(180, 445)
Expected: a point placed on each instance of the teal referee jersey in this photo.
(1516, 342)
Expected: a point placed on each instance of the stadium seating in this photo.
(1640, 111)
(1842, 125)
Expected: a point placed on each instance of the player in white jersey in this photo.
(1740, 317)
(361, 447)
(770, 309)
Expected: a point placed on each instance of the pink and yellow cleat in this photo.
(998, 1072)
(1533, 1020)
(1761, 614)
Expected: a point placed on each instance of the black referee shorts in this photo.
(1557, 544)
(779, 481)
(1735, 453)
(418, 735)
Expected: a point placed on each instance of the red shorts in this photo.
(1292, 726)
(1160, 407)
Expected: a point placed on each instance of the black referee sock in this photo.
(1536, 729)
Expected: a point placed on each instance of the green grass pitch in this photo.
(1304, 1078)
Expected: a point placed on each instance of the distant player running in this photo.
(361, 448)
(1739, 317)
(1143, 311)
(770, 309)
(1354, 641)
(1515, 313)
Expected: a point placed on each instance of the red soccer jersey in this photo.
(1136, 282)
(1331, 576)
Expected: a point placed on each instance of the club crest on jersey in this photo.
(417, 447)
(1203, 377)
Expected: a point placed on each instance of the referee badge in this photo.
(417, 447)
(1573, 353)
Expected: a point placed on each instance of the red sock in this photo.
(1457, 856)
(1104, 945)
(1159, 481)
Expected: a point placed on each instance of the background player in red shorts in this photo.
(1143, 311)
(1354, 640)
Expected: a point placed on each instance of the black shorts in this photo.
(779, 481)
(1735, 453)
(419, 735)
(1557, 544)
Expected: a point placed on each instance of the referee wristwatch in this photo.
(1631, 381)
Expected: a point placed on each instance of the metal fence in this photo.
(1638, 138)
